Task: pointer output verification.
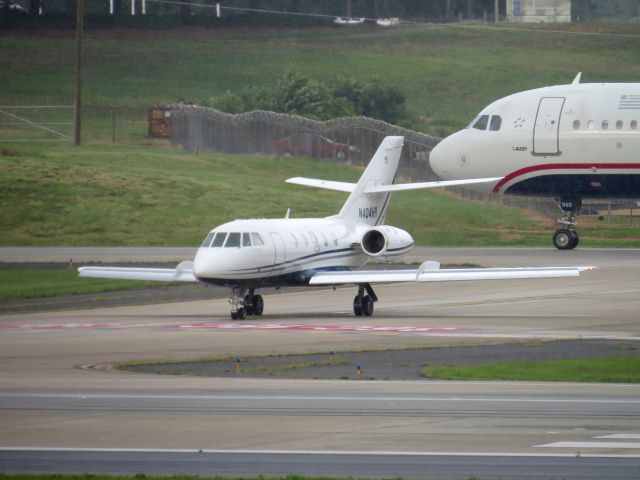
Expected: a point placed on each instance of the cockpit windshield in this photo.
(481, 122)
(233, 239)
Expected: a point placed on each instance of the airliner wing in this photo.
(327, 184)
(182, 273)
(415, 186)
(431, 272)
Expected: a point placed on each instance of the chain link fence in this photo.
(351, 140)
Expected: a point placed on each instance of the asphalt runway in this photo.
(55, 395)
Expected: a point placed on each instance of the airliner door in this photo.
(278, 251)
(546, 131)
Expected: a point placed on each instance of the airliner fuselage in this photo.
(567, 142)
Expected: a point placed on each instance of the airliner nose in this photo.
(440, 161)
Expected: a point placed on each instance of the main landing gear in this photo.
(245, 302)
(363, 304)
(567, 238)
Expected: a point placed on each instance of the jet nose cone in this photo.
(440, 162)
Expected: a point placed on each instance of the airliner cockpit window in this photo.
(496, 122)
(481, 123)
(233, 240)
(207, 241)
(219, 240)
(257, 239)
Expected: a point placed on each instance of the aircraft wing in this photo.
(431, 272)
(182, 273)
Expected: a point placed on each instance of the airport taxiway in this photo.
(47, 400)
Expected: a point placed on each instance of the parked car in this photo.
(313, 145)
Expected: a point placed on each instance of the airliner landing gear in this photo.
(363, 304)
(245, 302)
(567, 238)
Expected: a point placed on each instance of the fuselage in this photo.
(287, 252)
(578, 140)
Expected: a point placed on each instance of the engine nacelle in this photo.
(386, 241)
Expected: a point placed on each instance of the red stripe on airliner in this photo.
(564, 166)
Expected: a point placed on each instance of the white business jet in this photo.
(249, 254)
(568, 142)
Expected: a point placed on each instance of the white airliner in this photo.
(567, 142)
(249, 254)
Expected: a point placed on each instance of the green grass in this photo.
(31, 283)
(114, 195)
(447, 72)
(616, 369)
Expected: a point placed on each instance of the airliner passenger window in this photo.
(496, 122)
(481, 123)
(246, 240)
(619, 124)
(207, 241)
(257, 239)
(219, 240)
(634, 124)
(576, 124)
(233, 240)
(605, 124)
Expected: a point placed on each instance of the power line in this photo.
(402, 21)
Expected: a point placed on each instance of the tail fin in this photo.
(371, 208)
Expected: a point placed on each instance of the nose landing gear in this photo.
(245, 302)
(363, 304)
(567, 238)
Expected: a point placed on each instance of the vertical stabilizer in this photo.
(371, 208)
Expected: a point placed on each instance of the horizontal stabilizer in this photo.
(430, 272)
(182, 273)
(326, 184)
(415, 186)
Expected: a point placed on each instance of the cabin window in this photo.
(576, 124)
(605, 124)
(481, 123)
(304, 237)
(619, 124)
(295, 240)
(634, 124)
(590, 125)
(496, 122)
(324, 239)
(233, 240)
(246, 240)
(256, 239)
(207, 241)
(335, 239)
(314, 239)
(219, 240)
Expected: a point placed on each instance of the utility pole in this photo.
(496, 11)
(348, 11)
(79, 33)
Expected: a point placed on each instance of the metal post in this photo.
(496, 10)
(79, 33)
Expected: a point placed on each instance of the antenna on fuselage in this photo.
(576, 81)
(286, 215)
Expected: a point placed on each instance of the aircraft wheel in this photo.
(241, 314)
(563, 239)
(258, 305)
(576, 238)
(357, 306)
(367, 306)
(249, 305)
(234, 315)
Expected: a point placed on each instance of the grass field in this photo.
(621, 369)
(144, 195)
(448, 73)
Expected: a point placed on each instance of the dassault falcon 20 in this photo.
(245, 255)
(567, 142)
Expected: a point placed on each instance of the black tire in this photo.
(367, 306)
(258, 305)
(234, 316)
(357, 306)
(576, 238)
(241, 314)
(248, 305)
(563, 239)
